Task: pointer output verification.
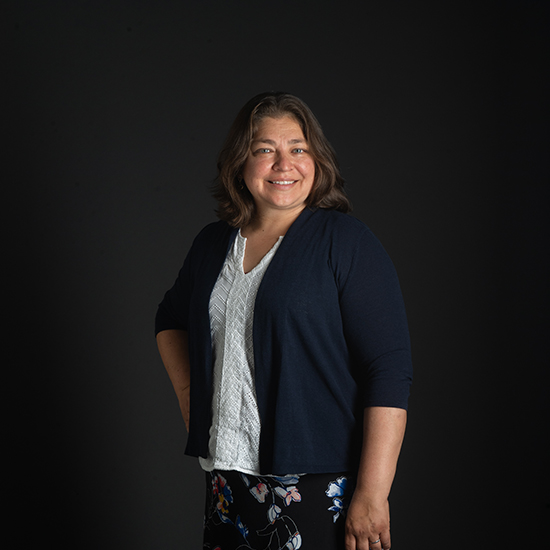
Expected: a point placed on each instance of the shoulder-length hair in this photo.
(235, 203)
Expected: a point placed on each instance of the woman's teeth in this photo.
(283, 182)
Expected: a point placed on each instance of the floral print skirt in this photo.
(275, 512)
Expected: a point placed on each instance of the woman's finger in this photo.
(350, 542)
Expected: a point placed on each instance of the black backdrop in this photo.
(116, 111)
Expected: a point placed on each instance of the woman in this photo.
(286, 341)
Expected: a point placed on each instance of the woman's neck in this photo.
(273, 224)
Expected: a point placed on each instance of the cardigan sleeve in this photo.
(173, 311)
(375, 323)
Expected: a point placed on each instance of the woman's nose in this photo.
(283, 162)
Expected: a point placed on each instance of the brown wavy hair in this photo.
(235, 203)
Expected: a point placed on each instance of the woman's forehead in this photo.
(273, 122)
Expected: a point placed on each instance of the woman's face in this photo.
(279, 171)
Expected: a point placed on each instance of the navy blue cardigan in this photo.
(330, 338)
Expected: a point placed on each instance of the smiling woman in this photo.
(286, 341)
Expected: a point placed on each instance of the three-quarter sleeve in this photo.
(173, 311)
(375, 324)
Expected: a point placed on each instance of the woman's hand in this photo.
(368, 523)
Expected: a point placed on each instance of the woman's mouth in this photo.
(282, 182)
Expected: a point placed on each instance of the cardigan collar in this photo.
(293, 230)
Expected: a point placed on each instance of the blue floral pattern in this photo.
(335, 490)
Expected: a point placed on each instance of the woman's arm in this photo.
(368, 517)
(174, 352)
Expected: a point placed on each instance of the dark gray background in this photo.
(115, 114)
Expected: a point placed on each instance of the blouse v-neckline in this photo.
(240, 251)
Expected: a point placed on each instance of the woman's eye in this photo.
(264, 150)
(299, 150)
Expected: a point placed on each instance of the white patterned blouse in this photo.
(235, 431)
